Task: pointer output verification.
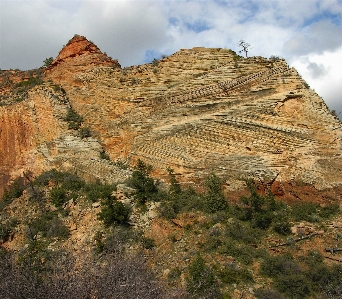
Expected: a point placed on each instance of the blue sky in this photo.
(307, 33)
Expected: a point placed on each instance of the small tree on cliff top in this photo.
(245, 47)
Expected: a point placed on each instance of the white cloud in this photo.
(318, 37)
(29, 31)
(123, 29)
(327, 84)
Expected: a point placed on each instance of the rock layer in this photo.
(34, 137)
(197, 111)
(202, 110)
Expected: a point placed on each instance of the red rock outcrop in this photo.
(81, 52)
(23, 127)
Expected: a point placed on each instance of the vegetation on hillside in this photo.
(234, 247)
(15, 84)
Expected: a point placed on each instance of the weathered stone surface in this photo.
(79, 46)
(34, 137)
(202, 110)
(197, 111)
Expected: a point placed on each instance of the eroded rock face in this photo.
(199, 111)
(202, 110)
(34, 137)
(77, 46)
(79, 50)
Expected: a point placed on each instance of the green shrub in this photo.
(31, 82)
(262, 220)
(186, 201)
(113, 211)
(44, 178)
(282, 228)
(213, 243)
(241, 252)
(66, 186)
(329, 211)
(66, 180)
(175, 188)
(84, 132)
(143, 183)
(279, 265)
(215, 199)
(306, 85)
(15, 190)
(148, 243)
(261, 210)
(134, 81)
(293, 285)
(274, 58)
(98, 240)
(268, 294)
(174, 274)
(72, 182)
(332, 287)
(201, 280)
(243, 233)
(74, 119)
(58, 196)
(288, 276)
(254, 202)
(104, 155)
(322, 276)
(57, 229)
(37, 261)
(7, 228)
(233, 274)
(97, 190)
(155, 62)
(48, 61)
(307, 211)
(48, 225)
(168, 210)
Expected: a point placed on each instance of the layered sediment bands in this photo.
(197, 111)
(34, 137)
(209, 110)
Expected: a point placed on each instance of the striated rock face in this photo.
(34, 137)
(77, 46)
(197, 111)
(80, 54)
(210, 110)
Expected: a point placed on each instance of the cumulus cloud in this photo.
(323, 73)
(316, 70)
(124, 29)
(29, 32)
(316, 38)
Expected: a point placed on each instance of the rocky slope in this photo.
(35, 137)
(197, 111)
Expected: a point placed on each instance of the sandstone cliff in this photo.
(197, 111)
(35, 137)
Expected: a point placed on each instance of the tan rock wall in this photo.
(35, 137)
(200, 111)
